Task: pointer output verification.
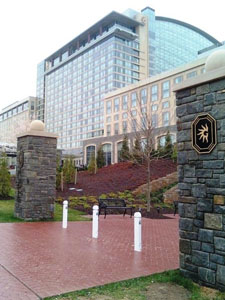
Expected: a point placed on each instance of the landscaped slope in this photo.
(119, 177)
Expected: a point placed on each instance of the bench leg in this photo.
(131, 212)
(125, 210)
(105, 213)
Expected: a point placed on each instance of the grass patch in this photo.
(135, 289)
(7, 213)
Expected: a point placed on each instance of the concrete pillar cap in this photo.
(37, 125)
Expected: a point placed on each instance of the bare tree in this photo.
(142, 127)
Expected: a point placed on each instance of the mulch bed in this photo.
(117, 178)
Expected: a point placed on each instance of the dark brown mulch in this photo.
(117, 177)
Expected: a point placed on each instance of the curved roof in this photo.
(189, 26)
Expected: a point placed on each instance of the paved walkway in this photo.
(42, 259)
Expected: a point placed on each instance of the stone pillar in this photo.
(201, 174)
(36, 174)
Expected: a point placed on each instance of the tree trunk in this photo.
(148, 192)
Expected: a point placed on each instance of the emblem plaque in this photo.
(203, 130)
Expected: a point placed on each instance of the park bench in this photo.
(112, 203)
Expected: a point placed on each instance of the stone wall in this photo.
(36, 177)
(201, 185)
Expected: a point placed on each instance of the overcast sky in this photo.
(31, 30)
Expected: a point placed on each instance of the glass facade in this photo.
(177, 43)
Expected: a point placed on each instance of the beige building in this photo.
(125, 108)
(16, 118)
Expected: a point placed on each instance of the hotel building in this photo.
(119, 50)
(125, 108)
(16, 118)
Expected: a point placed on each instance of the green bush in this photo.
(5, 183)
(92, 166)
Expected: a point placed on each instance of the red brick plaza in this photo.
(42, 259)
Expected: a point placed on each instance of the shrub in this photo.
(92, 166)
(100, 157)
(68, 170)
(5, 183)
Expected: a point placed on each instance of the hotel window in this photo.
(165, 104)
(154, 120)
(108, 107)
(166, 118)
(143, 96)
(124, 102)
(124, 125)
(116, 128)
(116, 104)
(133, 99)
(154, 107)
(108, 130)
(154, 92)
(192, 74)
(178, 79)
(125, 115)
(166, 89)
(116, 117)
(108, 119)
(134, 113)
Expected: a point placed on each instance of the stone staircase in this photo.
(171, 195)
(157, 184)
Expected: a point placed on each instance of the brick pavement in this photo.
(42, 259)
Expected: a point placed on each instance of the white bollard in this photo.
(95, 222)
(137, 231)
(65, 214)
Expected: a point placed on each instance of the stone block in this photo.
(195, 107)
(213, 221)
(218, 259)
(183, 94)
(219, 244)
(204, 173)
(182, 158)
(189, 171)
(181, 110)
(185, 246)
(200, 258)
(198, 223)
(192, 155)
(184, 186)
(184, 136)
(183, 199)
(218, 112)
(220, 97)
(217, 85)
(204, 205)
(199, 190)
(207, 275)
(214, 164)
(188, 235)
(212, 182)
(222, 180)
(206, 247)
(186, 224)
(202, 89)
(216, 191)
(220, 274)
(205, 235)
(210, 99)
(196, 245)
